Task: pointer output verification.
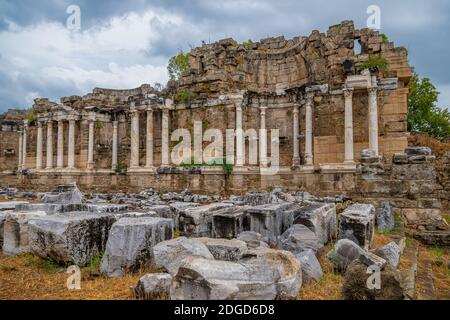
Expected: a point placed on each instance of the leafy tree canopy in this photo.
(177, 65)
(423, 113)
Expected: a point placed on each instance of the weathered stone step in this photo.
(425, 289)
(408, 269)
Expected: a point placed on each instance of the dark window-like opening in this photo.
(357, 46)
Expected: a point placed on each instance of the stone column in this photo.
(60, 145)
(19, 160)
(263, 138)
(165, 137)
(90, 162)
(71, 145)
(308, 131)
(373, 119)
(348, 124)
(134, 152)
(49, 155)
(295, 136)
(239, 137)
(149, 139)
(24, 144)
(39, 146)
(114, 145)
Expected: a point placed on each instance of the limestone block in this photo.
(64, 194)
(311, 269)
(268, 220)
(197, 221)
(263, 276)
(390, 252)
(16, 231)
(344, 253)
(224, 249)
(320, 218)
(176, 208)
(299, 238)
(357, 223)
(153, 286)
(169, 254)
(227, 223)
(385, 217)
(130, 243)
(72, 237)
(252, 239)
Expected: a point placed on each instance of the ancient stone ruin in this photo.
(235, 230)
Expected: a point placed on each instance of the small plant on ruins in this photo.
(49, 266)
(94, 262)
(185, 97)
(121, 169)
(176, 233)
(178, 65)
(234, 43)
(247, 43)
(384, 38)
(31, 117)
(98, 125)
(374, 64)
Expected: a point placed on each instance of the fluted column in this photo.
(134, 155)
(60, 145)
(295, 136)
(308, 131)
(149, 139)
(114, 145)
(263, 138)
(165, 137)
(24, 144)
(239, 137)
(348, 124)
(90, 162)
(373, 119)
(71, 145)
(19, 160)
(39, 146)
(49, 155)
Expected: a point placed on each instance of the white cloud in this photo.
(108, 55)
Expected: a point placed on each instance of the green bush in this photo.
(178, 65)
(374, 63)
(185, 96)
(247, 43)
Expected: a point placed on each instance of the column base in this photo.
(309, 168)
(295, 162)
(338, 167)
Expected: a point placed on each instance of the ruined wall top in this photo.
(277, 64)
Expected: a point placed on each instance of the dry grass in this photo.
(329, 286)
(436, 146)
(27, 277)
(439, 258)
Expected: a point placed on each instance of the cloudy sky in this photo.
(122, 44)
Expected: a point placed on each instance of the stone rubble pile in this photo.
(263, 245)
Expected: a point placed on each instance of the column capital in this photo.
(348, 92)
(309, 97)
(39, 124)
(372, 89)
(25, 123)
(168, 104)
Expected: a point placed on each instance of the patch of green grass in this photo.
(94, 262)
(399, 227)
(49, 266)
(176, 233)
(437, 251)
(408, 242)
(446, 217)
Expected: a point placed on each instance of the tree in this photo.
(423, 113)
(177, 65)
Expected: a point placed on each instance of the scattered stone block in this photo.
(2, 221)
(371, 259)
(72, 237)
(417, 151)
(252, 239)
(385, 217)
(344, 253)
(224, 249)
(357, 224)
(16, 232)
(153, 286)
(268, 219)
(169, 254)
(197, 221)
(264, 276)
(311, 268)
(320, 218)
(64, 194)
(227, 223)
(10, 205)
(400, 158)
(130, 243)
(176, 208)
(390, 252)
(299, 238)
